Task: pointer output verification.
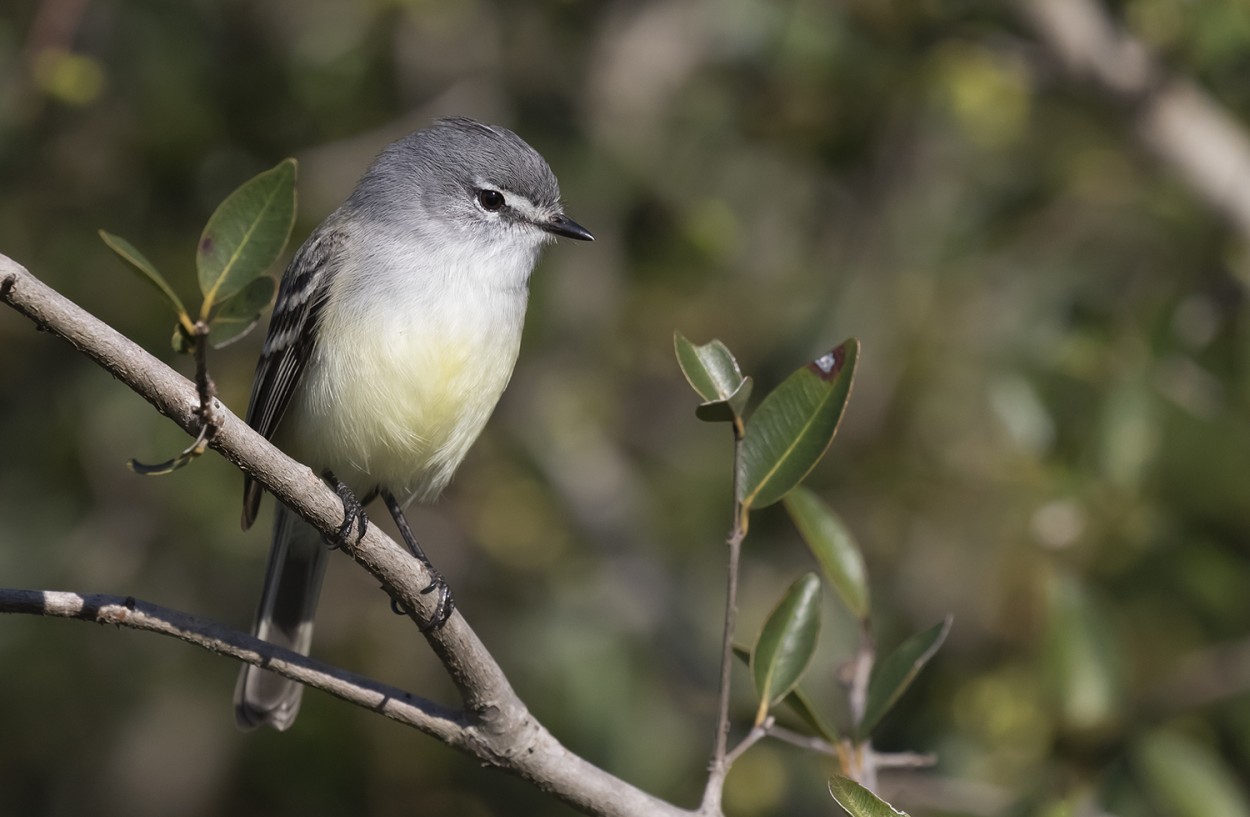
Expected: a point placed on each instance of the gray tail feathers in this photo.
(297, 562)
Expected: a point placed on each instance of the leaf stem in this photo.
(209, 416)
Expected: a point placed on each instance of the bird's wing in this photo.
(290, 341)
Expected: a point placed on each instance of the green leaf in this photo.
(857, 801)
(792, 428)
(786, 643)
(711, 368)
(246, 234)
(725, 411)
(237, 316)
(713, 373)
(894, 675)
(798, 701)
(833, 546)
(805, 708)
(136, 259)
(1187, 779)
(1081, 659)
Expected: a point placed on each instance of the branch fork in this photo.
(493, 725)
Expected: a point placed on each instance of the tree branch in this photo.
(1172, 116)
(495, 727)
(1203, 678)
(396, 704)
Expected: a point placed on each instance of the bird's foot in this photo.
(353, 514)
(444, 608)
(442, 611)
(446, 604)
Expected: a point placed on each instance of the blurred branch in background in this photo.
(1171, 115)
(1206, 677)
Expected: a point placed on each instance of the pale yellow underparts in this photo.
(406, 385)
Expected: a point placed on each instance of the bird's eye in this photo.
(491, 200)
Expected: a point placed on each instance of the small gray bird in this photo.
(395, 331)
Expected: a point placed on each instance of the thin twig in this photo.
(809, 742)
(859, 760)
(719, 767)
(210, 420)
(904, 760)
(751, 738)
(204, 385)
(860, 672)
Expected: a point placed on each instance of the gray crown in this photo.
(451, 159)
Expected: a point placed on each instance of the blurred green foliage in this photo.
(1048, 438)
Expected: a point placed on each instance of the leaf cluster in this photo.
(243, 238)
(779, 444)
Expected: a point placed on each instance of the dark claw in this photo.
(445, 607)
(442, 611)
(353, 513)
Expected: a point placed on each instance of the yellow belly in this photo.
(400, 409)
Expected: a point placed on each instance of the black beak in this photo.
(567, 227)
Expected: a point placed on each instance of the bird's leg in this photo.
(445, 606)
(353, 511)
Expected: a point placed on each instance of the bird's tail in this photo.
(288, 603)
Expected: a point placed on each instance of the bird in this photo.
(394, 333)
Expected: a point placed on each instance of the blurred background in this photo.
(1048, 438)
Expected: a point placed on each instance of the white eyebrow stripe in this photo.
(525, 207)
